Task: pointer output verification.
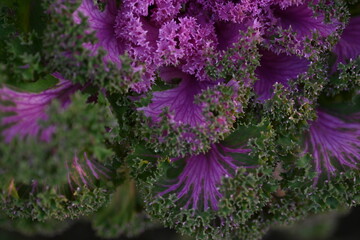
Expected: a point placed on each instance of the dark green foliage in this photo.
(123, 215)
(42, 180)
(243, 194)
(22, 24)
(346, 78)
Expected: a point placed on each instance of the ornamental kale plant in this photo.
(217, 118)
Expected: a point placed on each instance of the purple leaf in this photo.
(28, 109)
(302, 20)
(200, 179)
(103, 24)
(179, 100)
(279, 68)
(348, 46)
(334, 142)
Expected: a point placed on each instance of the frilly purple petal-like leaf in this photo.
(180, 101)
(27, 109)
(334, 142)
(348, 46)
(228, 33)
(200, 179)
(103, 24)
(302, 20)
(279, 68)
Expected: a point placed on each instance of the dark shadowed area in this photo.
(343, 227)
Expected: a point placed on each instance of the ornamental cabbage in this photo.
(217, 118)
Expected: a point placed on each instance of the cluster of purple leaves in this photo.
(174, 42)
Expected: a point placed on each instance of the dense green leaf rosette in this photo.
(320, 178)
(69, 176)
(298, 198)
(303, 190)
(210, 194)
